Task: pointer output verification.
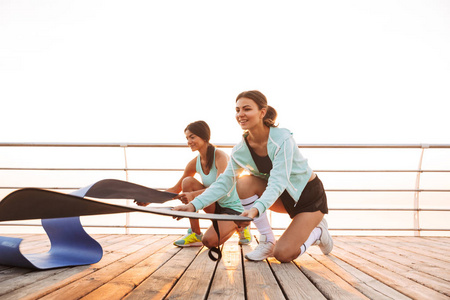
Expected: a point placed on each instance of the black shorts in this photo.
(225, 210)
(313, 198)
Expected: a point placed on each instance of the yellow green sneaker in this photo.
(245, 237)
(191, 239)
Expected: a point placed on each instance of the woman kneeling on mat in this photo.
(280, 179)
(209, 164)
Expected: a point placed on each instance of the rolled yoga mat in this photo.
(70, 244)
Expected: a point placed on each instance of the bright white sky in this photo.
(140, 71)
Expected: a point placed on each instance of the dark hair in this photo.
(201, 129)
(261, 101)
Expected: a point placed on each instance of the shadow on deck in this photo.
(150, 267)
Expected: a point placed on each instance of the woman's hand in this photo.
(188, 207)
(251, 213)
(141, 203)
(185, 197)
(179, 197)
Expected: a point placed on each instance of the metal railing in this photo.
(417, 190)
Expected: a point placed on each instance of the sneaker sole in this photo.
(198, 244)
(251, 259)
(322, 248)
(244, 243)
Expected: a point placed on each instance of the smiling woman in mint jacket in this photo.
(280, 180)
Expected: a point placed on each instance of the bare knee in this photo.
(209, 242)
(190, 184)
(284, 254)
(249, 185)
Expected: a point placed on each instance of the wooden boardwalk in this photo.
(150, 267)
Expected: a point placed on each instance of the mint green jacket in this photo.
(290, 172)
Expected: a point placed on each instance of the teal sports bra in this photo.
(207, 180)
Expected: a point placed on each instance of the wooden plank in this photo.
(411, 260)
(18, 278)
(424, 248)
(228, 282)
(393, 247)
(9, 273)
(293, 282)
(440, 239)
(391, 263)
(21, 280)
(259, 279)
(400, 283)
(159, 284)
(328, 283)
(70, 275)
(33, 240)
(441, 242)
(364, 283)
(442, 247)
(378, 267)
(154, 256)
(123, 244)
(32, 244)
(3, 268)
(131, 255)
(194, 283)
(415, 248)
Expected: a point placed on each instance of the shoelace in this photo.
(263, 247)
(192, 238)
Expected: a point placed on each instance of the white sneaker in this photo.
(262, 251)
(325, 242)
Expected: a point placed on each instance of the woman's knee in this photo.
(285, 254)
(209, 241)
(190, 184)
(249, 185)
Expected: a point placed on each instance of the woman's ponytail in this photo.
(270, 117)
(210, 156)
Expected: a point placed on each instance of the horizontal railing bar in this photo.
(385, 209)
(327, 190)
(381, 171)
(222, 145)
(390, 209)
(170, 170)
(378, 229)
(90, 169)
(386, 190)
(274, 228)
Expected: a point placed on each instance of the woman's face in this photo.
(248, 114)
(193, 140)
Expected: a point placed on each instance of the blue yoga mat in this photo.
(70, 244)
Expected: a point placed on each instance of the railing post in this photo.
(417, 193)
(127, 215)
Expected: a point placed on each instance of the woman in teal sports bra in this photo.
(209, 164)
